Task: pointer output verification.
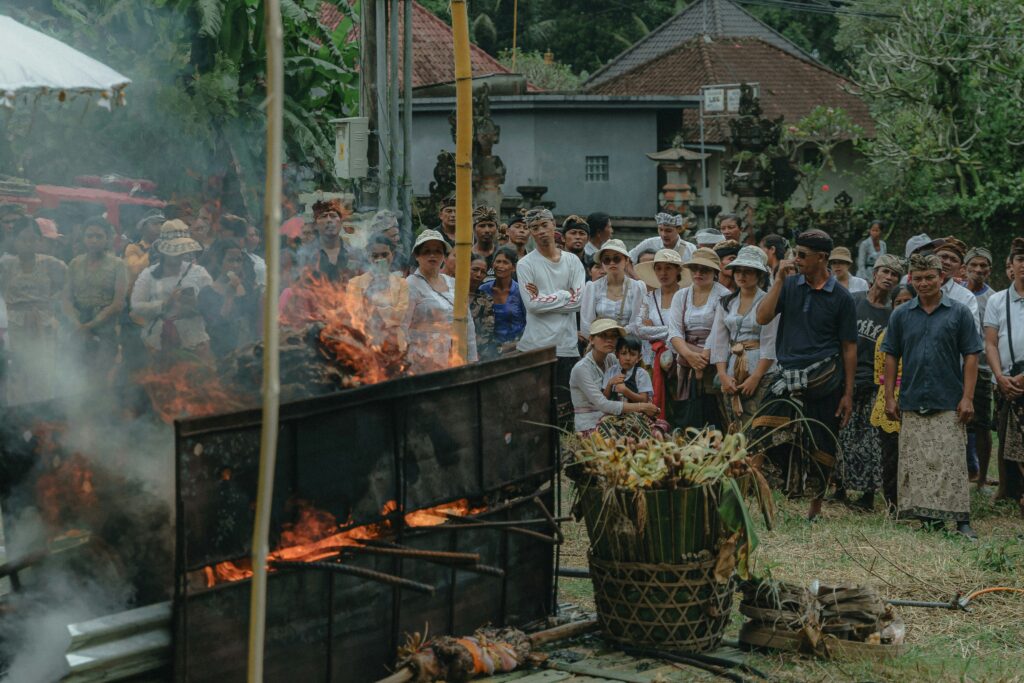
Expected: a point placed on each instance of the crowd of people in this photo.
(890, 380)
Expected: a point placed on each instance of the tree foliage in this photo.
(945, 82)
(195, 106)
(532, 65)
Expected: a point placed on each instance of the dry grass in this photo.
(901, 561)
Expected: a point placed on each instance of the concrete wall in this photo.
(549, 147)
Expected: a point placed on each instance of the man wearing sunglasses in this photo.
(816, 348)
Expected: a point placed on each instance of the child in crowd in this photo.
(625, 379)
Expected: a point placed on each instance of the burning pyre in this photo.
(316, 535)
(333, 337)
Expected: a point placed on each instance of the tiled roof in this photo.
(789, 86)
(433, 52)
(715, 18)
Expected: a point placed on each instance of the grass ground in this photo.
(900, 561)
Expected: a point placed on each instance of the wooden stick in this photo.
(274, 37)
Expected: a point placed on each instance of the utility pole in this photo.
(368, 95)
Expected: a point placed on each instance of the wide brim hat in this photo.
(430, 236)
(841, 254)
(612, 245)
(705, 257)
(750, 257)
(174, 239)
(604, 325)
(645, 270)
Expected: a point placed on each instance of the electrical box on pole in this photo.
(351, 143)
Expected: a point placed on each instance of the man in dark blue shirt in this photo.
(938, 342)
(816, 347)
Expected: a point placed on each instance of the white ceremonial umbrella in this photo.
(34, 64)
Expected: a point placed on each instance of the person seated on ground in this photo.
(165, 296)
(97, 285)
(625, 379)
(506, 300)
(586, 381)
(231, 303)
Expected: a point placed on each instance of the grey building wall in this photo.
(549, 147)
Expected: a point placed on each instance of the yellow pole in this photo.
(271, 381)
(515, 25)
(463, 174)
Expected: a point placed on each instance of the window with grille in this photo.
(597, 169)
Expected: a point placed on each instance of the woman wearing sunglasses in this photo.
(615, 296)
(690, 321)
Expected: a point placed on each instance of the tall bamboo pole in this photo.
(463, 174)
(394, 126)
(271, 380)
(515, 27)
(407, 127)
(383, 111)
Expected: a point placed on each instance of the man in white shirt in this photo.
(1002, 357)
(951, 251)
(670, 236)
(553, 281)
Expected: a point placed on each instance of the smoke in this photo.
(79, 465)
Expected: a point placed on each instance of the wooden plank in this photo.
(121, 624)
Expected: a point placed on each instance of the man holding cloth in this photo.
(938, 342)
(816, 347)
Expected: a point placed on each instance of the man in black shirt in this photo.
(816, 347)
(860, 466)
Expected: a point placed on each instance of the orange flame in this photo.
(314, 537)
(364, 339)
(187, 389)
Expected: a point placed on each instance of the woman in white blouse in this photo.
(690, 321)
(586, 382)
(615, 296)
(741, 350)
(432, 308)
(666, 275)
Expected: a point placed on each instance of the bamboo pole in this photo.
(407, 127)
(515, 27)
(394, 125)
(271, 379)
(463, 174)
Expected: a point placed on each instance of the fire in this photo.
(66, 491)
(188, 389)
(366, 340)
(314, 536)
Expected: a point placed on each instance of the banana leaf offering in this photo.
(667, 498)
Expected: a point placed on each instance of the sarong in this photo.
(932, 467)
(859, 461)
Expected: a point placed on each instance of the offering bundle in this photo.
(669, 528)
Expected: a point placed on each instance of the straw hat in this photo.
(705, 257)
(605, 324)
(612, 245)
(841, 254)
(645, 271)
(750, 257)
(430, 236)
(175, 240)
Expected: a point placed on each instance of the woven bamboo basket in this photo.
(679, 605)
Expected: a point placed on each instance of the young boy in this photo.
(625, 379)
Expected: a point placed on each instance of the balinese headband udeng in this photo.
(537, 215)
(925, 262)
(663, 218)
(484, 214)
(818, 240)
